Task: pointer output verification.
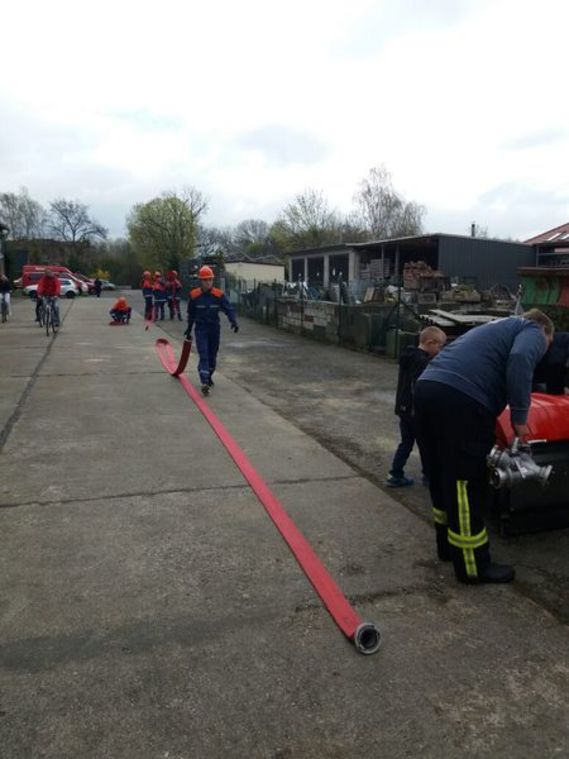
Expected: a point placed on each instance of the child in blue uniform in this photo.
(148, 293)
(121, 311)
(204, 305)
(159, 293)
(173, 292)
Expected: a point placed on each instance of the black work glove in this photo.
(188, 334)
(235, 327)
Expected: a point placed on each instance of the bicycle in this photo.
(50, 316)
(4, 307)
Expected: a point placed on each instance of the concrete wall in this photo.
(316, 318)
(255, 273)
(361, 326)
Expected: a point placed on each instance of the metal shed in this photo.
(478, 261)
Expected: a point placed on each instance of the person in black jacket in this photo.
(411, 365)
(552, 373)
(5, 290)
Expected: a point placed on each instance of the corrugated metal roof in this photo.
(424, 239)
(557, 234)
(431, 237)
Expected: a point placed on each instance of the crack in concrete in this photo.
(433, 590)
(153, 494)
(17, 413)
(104, 374)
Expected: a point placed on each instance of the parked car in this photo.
(32, 273)
(108, 285)
(88, 282)
(69, 289)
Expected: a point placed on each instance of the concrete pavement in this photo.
(149, 608)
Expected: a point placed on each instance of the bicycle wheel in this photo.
(47, 319)
(40, 313)
(54, 322)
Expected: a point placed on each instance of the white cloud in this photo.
(456, 98)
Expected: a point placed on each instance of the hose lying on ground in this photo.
(365, 635)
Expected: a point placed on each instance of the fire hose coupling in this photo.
(367, 638)
(511, 466)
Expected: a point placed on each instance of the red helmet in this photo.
(205, 273)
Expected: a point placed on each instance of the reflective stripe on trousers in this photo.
(465, 541)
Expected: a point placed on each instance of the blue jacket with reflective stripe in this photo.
(204, 307)
(493, 364)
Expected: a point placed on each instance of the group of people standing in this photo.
(159, 292)
(449, 401)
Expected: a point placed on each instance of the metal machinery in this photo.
(532, 482)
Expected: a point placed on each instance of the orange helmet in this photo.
(121, 302)
(205, 273)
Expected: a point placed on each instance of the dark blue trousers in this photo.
(148, 306)
(407, 430)
(207, 343)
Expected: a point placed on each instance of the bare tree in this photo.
(70, 221)
(383, 212)
(24, 216)
(212, 240)
(252, 232)
(307, 222)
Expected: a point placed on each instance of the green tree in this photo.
(163, 232)
(118, 258)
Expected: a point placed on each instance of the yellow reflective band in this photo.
(464, 524)
(473, 542)
(440, 516)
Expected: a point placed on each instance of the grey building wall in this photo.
(487, 262)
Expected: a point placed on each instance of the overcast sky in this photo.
(251, 101)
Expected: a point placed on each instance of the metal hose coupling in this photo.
(509, 467)
(367, 638)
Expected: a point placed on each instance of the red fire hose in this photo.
(365, 635)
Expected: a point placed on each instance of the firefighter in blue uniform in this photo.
(159, 293)
(204, 305)
(148, 293)
(457, 400)
(173, 292)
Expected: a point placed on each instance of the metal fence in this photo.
(377, 327)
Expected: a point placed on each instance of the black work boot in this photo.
(490, 573)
